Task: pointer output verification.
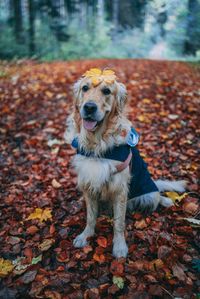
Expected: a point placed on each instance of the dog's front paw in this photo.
(80, 241)
(120, 249)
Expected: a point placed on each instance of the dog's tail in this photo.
(178, 186)
(166, 185)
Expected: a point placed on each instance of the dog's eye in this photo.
(85, 88)
(106, 91)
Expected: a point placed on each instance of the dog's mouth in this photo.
(91, 125)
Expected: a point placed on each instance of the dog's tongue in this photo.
(89, 125)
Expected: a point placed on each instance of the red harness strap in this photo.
(120, 167)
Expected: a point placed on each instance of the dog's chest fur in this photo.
(96, 176)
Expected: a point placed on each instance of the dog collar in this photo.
(122, 153)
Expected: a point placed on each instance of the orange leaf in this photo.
(28, 252)
(100, 258)
(102, 241)
(87, 249)
(32, 229)
(52, 229)
(140, 224)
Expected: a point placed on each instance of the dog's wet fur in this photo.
(99, 121)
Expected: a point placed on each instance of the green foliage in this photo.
(94, 37)
(9, 48)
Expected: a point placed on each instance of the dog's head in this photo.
(98, 97)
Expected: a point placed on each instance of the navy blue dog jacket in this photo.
(141, 182)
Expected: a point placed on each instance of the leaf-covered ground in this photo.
(42, 210)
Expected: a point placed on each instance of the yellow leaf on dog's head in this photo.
(40, 214)
(6, 267)
(92, 72)
(175, 197)
(97, 76)
(108, 73)
(95, 80)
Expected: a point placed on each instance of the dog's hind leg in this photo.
(120, 248)
(92, 210)
(146, 203)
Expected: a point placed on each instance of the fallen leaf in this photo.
(52, 229)
(36, 260)
(117, 268)
(46, 244)
(20, 265)
(118, 281)
(32, 229)
(56, 184)
(164, 251)
(28, 276)
(193, 220)
(13, 240)
(41, 215)
(6, 267)
(175, 197)
(140, 224)
(100, 258)
(190, 207)
(52, 294)
(102, 241)
(87, 249)
(28, 252)
(178, 272)
(156, 264)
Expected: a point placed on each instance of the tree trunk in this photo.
(31, 27)
(115, 10)
(58, 15)
(192, 34)
(18, 23)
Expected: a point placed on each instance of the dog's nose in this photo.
(90, 107)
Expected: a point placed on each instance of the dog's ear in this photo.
(76, 88)
(121, 96)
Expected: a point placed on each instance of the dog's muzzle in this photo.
(90, 116)
(90, 108)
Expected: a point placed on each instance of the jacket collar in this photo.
(120, 153)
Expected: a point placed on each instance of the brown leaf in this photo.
(28, 276)
(190, 207)
(46, 244)
(13, 240)
(164, 251)
(117, 268)
(178, 272)
(52, 294)
(155, 290)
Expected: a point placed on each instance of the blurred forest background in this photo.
(78, 29)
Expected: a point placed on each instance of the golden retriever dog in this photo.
(107, 163)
